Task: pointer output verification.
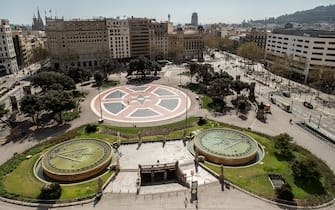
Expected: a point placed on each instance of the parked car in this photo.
(308, 105)
(287, 94)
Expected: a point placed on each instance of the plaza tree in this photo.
(58, 102)
(32, 105)
(322, 79)
(205, 74)
(78, 74)
(285, 192)
(47, 80)
(219, 88)
(194, 69)
(98, 77)
(251, 51)
(284, 146)
(305, 170)
(143, 66)
(239, 85)
(3, 112)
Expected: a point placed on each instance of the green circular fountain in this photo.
(226, 146)
(76, 159)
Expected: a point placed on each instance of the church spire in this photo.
(38, 21)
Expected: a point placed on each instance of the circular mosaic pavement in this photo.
(144, 103)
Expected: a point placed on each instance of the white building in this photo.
(312, 50)
(8, 64)
(118, 38)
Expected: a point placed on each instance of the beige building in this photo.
(93, 43)
(81, 43)
(25, 42)
(118, 38)
(186, 44)
(139, 36)
(158, 40)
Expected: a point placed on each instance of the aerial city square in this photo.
(156, 105)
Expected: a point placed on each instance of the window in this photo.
(330, 54)
(330, 60)
(318, 48)
(316, 59)
(318, 42)
(315, 53)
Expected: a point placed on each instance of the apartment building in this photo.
(8, 64)
(93, 43)
(187, 44)
(139, 36)
(311, 50)
(81, 43)
(118, 38)
(158, 40)
(258, 36)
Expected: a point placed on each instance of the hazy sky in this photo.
(210, 11)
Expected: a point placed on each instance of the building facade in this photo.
(186, 44)
(93, 43)
(25, 42)
(78, 43)
(159, 40)
(118, 38)
(258, 36)
(139, 36)
(311, 50)
(8, 64)
(194, 19)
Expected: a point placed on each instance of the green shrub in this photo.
(90, 128)
(202, 121)
(50, 191)
(285, 192)
(306, 170)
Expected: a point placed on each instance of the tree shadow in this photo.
(243, 117)
(292, 203)
(289, 156)
(28, 131)
(313, 187)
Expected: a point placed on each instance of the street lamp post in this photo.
(101, 120)
(319, 121)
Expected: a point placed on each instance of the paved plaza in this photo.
(142, 103)
(151, 154)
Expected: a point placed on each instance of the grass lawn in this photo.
(24, 174)
(255, 178)
(206, 101)
(32, 186)
(109, 83)
(84, 189)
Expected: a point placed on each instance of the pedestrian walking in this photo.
(185, 202)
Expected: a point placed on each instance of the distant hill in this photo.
(316, 15)
(320, 14)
